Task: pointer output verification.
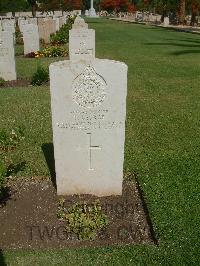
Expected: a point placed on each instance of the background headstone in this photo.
(31, 38)
(7, 56)
(166, 22)
(8, 25)
(58, 13)
(61, 21)
(46, 26)
(81, 41)
(57, 23)
(22, 23)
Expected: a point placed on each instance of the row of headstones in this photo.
(90, 13)
(33, 30)
(7, 56)
(88, 99)
(144, 17)
(58, 13)
(46, 26)
(40, 28)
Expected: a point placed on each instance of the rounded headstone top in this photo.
(79, 23)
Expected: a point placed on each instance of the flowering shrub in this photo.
(49, 51)
(62, 36)
(55, 51)
(34, 55)
(30, 55)
(38, 54)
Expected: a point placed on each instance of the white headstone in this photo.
(57, 23)
(7, 56)
(46, 27)
(158, 18)
(76, 12)
(39, 14)
(88, 101)
(31, 38)
(79, 23)
(25, 14)
(22, 23)
(32, 20)
(58, 13)
(61, 21)
(9, 14)
(81, 41)
(53, 26)
(166, 22)
(8, 25)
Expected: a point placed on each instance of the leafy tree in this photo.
(86, 4)
(182, 11)
(193, 7)
(108, 5)
(13, 6)
(123, 5)
(72, 5)
(47, 5)
(165, 6)
(115, 5)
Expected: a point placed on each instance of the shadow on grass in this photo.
(2, 261)
(92, 22)
(190, 40)
(184, 52)
(158, 28)
(48, 151)
(145, 208)
(174, 44)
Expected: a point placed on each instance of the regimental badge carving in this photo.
(89, 88)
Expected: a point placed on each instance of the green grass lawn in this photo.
(162, 141)
(27, 66)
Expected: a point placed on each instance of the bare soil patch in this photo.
(28, 217)
(16, 83)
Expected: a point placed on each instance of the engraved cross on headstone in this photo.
(91, 148)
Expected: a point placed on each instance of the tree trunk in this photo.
(182, 12)
(34, 11)
(194, 14)
(193, 19)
